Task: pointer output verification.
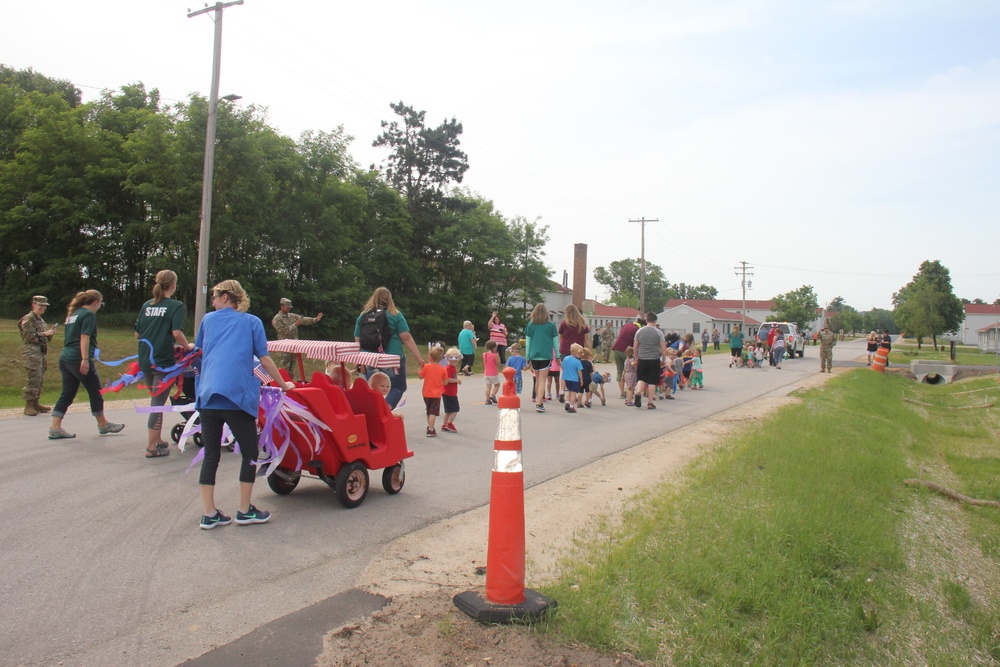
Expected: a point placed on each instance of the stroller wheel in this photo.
(197, 439)
(176, 432)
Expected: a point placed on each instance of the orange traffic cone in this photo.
(506, 599)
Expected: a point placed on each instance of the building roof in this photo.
(601, 310)
(553, 286)
(751, 304)
(989, 327)
(715, 313)
(981, 309)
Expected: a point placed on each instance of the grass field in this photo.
(798, 543)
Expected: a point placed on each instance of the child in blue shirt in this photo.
(572, 375)
(517, 362)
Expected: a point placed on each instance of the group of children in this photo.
(754, 355)
(574, 381)
(684, 368)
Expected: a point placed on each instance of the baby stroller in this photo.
(186, 397)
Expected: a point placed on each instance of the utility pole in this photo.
(746, 272)
(642, 265)
(201, 294)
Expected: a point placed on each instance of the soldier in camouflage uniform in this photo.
(36, 337)
(827, 339)
(607, 340)
(287, 324)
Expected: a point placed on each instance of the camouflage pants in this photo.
(825, 359)
(35, 365)
(285, 360)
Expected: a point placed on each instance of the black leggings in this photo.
(71, 381)
(244, 428)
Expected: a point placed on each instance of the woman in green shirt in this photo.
(161, 322)
(736, 346)
(76, 364)
(542, 340)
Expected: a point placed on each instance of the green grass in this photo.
(906, 351)
(798, 544)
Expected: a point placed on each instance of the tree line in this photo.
(102, 195)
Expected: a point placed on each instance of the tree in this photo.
(797, 306)
(846, 319)
(423, 160)
(927, 306)
(621, 277)
(695, 292)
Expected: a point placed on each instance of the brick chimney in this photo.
(579, 274)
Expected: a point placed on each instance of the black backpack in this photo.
(373, 333)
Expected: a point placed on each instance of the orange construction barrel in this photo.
(881, 360)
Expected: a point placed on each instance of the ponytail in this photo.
(83, 299)
(164, 279)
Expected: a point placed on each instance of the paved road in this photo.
(104, 564)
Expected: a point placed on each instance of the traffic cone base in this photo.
(475, 604)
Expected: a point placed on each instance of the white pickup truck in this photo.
(795, 344)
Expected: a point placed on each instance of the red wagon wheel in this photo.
(352, 484)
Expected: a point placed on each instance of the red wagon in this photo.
(360, 431)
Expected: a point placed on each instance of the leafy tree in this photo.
(878, 320)
(847, 319)
(695, 292)
(622, 277)
(797, 306)
(927, 306)
(422, 160)
(836, 304)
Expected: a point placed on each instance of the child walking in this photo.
(588, 372)
(630, 375)
(433, 375)
(491, 372)
(572, 376)
(697, 374)
(517, 362)
(554, 370)
(449, 397)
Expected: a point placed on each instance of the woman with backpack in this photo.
(381, 327)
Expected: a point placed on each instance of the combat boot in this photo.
(29, 409)
(41, 409)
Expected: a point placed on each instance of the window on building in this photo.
(696, 328)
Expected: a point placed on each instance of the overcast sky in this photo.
(836, 144)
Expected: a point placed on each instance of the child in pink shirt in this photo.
(491, 373)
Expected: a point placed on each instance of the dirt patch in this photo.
(421, 572)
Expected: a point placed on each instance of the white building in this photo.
(693, 315)
(977, 318)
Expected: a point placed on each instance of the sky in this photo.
(835, 144)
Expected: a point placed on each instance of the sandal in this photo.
(161, 450)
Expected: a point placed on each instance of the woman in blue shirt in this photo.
(229, 393)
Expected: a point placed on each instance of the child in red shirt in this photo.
(450, 395)
(434, 375)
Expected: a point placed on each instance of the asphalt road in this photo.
(104, 562)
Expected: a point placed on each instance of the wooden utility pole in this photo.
(201, 287)
(746, 272)
(642, 265)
